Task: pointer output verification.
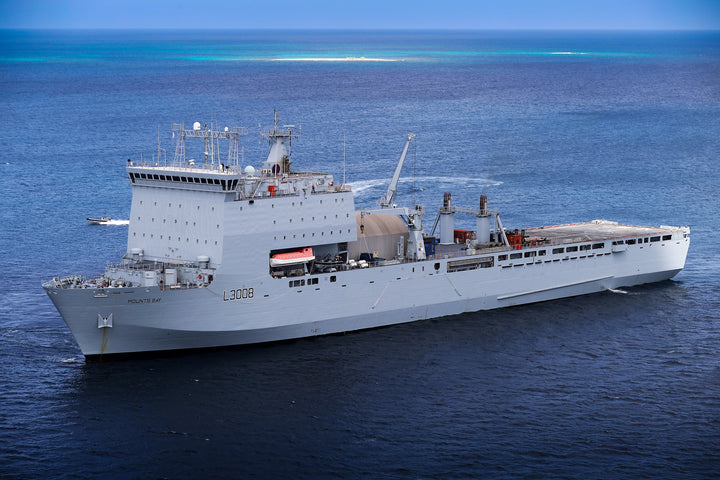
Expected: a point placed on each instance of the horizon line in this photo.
(366, 29)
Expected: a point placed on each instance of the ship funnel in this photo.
(447, 221)
(483, 222)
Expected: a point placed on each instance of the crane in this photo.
(388, 200)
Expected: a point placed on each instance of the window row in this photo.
(226, 184)
(322, 234)
(179, 205)
(171, 238)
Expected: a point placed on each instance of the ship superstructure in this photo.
(218, 255)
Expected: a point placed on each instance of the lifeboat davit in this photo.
(292, 258)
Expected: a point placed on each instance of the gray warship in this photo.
(218, 255)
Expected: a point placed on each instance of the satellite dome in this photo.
(196, 126)
(250, 170)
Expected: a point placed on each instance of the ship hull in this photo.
(235, 311)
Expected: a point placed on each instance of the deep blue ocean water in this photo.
(554, 127)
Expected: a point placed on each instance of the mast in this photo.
(280, 140)
(211, 139)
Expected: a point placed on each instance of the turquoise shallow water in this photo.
(620, 384)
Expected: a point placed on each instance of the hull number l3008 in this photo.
(238, 294)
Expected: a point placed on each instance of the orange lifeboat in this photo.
(292, 258)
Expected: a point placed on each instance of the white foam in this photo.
(116, 222)
(361, 186)
(335, 59)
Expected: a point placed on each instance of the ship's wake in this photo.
(363, 187)
(116, 222)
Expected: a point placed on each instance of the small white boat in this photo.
(99, 221)
(292, 258)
